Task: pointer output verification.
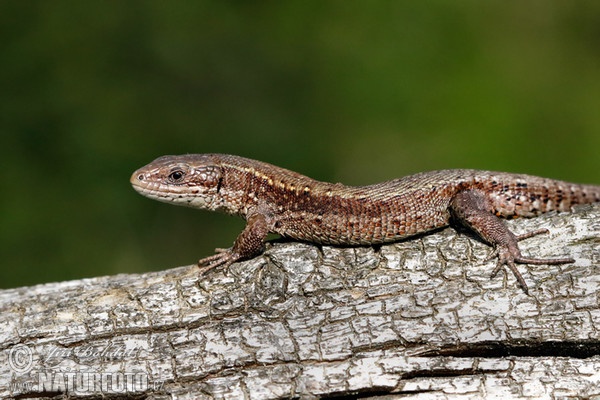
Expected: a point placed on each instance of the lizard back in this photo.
(306, 209)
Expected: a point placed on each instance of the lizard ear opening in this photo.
(209, 177)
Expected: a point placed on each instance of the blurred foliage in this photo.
(346, 91)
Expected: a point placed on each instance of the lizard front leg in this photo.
(473, 210)
(248, 244)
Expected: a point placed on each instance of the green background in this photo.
(348, 91)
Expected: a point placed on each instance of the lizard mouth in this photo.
(152, 189)
(141, 184)
(165, 193)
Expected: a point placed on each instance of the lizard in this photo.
(276, 200)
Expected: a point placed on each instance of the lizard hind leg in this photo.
(472, 209)
(526, 260)
(540, 261)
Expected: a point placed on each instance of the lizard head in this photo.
(180, 180)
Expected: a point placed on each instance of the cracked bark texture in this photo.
(418, 319)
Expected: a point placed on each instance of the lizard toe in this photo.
(223, 257)
(509, 256)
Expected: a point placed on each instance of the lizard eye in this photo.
(176, 176)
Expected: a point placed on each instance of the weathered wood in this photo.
(416, 319)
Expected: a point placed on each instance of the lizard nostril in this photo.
(140, 177)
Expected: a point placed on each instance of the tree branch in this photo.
(416, 317)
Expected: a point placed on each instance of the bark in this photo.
(416, 319)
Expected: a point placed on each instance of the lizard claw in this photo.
(531, 234)
(507, 258)
(224, 257)
(509, 255)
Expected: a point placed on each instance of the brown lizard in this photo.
(277, 200)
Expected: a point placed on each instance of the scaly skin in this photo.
(276, 200)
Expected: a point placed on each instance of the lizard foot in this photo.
(509, 255)
(224, 257)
